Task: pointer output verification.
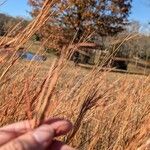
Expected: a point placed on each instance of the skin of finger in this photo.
(10, 132)
(38, 139)
(57, 145)
(24, 126)
(61, 127)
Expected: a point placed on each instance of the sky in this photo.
(15, 8)
(140, 9)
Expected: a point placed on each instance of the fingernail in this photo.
(43, 134)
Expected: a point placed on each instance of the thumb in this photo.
(38, 139)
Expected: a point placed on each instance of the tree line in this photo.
(7, 23)
(76, 19)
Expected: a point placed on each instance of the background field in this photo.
(109, 110)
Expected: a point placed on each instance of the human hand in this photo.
(20, 136)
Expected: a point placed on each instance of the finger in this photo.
(57, 145)
(24, 126)
(38, 139)
(21, 126)
(10, 132)
(60, 126)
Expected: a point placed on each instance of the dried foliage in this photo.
(8, 22)
(109, 111)
(82, 17)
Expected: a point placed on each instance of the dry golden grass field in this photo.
(109, 111)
